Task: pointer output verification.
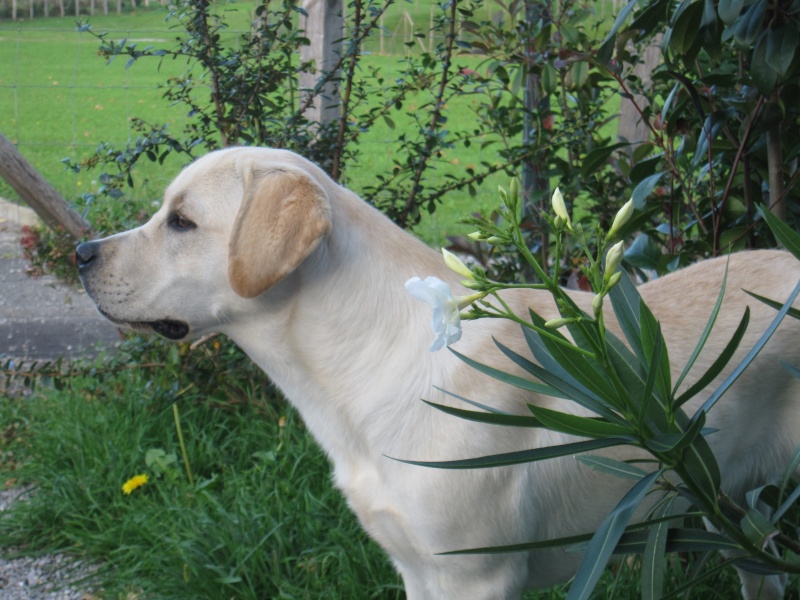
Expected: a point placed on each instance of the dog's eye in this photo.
(179, 222)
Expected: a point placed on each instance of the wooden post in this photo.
(630, 127)
(39, 194)
(324, 27)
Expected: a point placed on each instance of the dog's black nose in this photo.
(85, 253)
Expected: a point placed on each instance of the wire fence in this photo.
(30, 9)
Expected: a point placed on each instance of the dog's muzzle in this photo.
(87, 256)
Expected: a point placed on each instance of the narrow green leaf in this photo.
(489, 418)
(679, 539)
(731, 379)
(706, 332)
(653, 562)
(551, 373)
(633, 538)
(521, 457)
(675, 442)
(617, 468)
(625, 300)
(792, 312)
(700, 464)
(651, 337)
(483, 407)
(652, 376)
(787, 504)
(604, 541)
(580, 426)
(758, 528)
(720, 363)
(510, 379)
(630, 374)
(580, 370)
(787, 236)
(790, 471)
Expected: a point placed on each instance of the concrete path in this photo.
(42, 318)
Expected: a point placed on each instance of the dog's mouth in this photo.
(171, 329)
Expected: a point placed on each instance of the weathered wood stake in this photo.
(35, 190)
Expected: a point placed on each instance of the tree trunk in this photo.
(39, 194)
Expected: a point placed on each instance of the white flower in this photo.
(446, 322)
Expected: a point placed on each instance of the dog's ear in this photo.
(283, 216)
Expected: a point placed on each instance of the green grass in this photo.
(261, 521)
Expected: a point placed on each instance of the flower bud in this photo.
(464, 301)
(562, 216)
(503, 194)
(471, 284)
(455, 265)
(614, 280)
(613, 258)
(556, 323)
(597, 305)
(475, 236)
(622, 217)
(495, 241)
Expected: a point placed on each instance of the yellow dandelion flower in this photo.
(133, 483)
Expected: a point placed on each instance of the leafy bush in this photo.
(626, 386)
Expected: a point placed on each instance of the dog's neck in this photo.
(340, 348)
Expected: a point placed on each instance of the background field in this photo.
(59, 99)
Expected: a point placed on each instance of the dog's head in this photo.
(232, 225)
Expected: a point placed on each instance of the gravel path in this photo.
(39, 318)
(38, 578)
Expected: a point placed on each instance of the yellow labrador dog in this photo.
(308, 279)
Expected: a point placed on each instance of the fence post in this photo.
(324, 27)
(39, 194)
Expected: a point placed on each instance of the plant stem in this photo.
(180, 441)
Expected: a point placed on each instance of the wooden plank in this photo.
(35, 190)
(324, 27)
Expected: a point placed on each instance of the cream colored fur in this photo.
(308, 280)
